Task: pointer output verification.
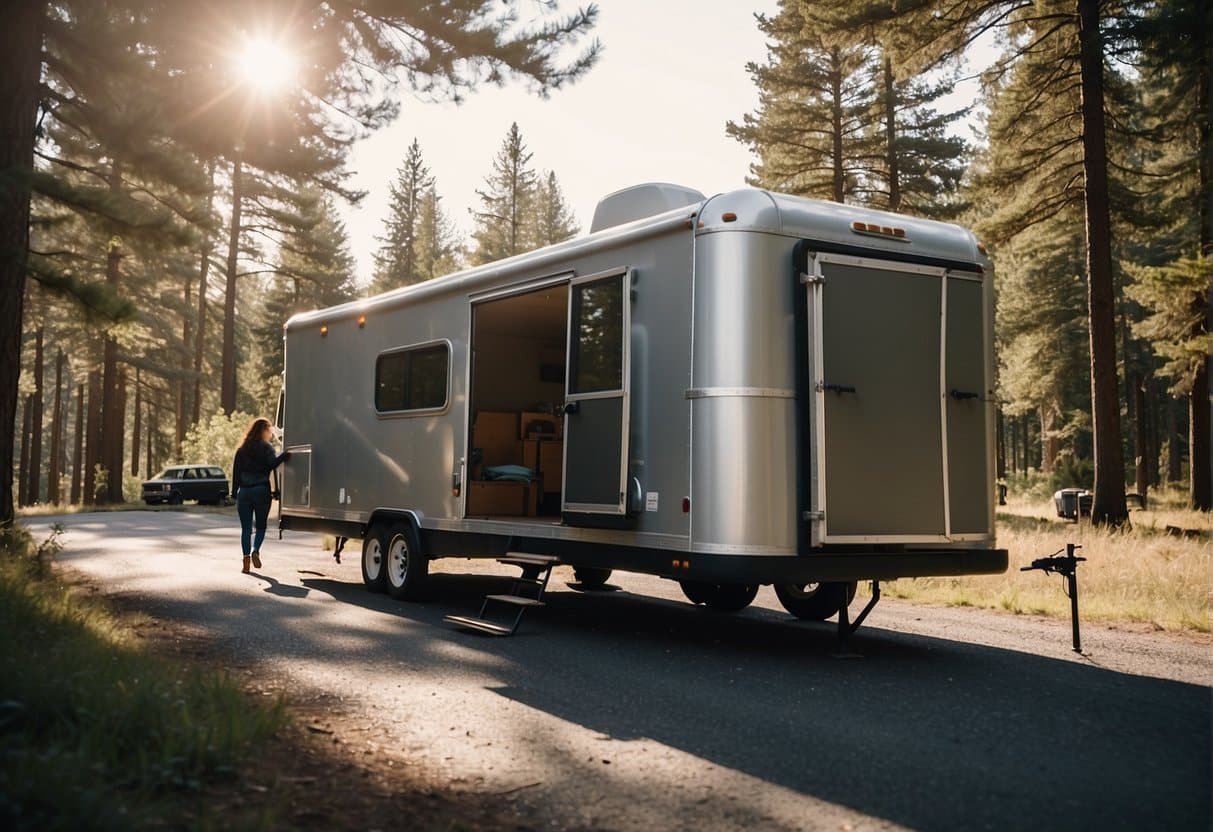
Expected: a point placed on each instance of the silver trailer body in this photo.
(756, 388)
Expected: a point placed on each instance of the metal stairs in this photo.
(525, 592)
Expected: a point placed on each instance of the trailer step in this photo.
(516, 600)
(525, 593)
(479, 624)
(523, 559)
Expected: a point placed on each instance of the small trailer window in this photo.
(412, 379)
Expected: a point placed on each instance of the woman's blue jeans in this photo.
(252, 504)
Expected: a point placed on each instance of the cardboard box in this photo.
(546, 458)
(551, 465)
(496, 434)
(502, 499)
(540, 425)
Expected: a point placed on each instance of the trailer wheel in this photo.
(591, 577)
(719, 597)
(405, 565)
(815, 602)
(373, 574)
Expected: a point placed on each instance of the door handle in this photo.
(834, 388)
(572, 408)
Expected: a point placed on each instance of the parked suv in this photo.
(175, 485)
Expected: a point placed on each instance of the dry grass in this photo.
(1141, 574)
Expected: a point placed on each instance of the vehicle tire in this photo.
(591, 577)
(405, 565)
(731, 597)
(719, 597)
(697, 592)
(374, 576)
(175, 499)
(815, 602)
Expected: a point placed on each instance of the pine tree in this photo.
(396, 259)
(506, 201)
(167, 59)
(814, 92)
(551, 219)
(439, 246)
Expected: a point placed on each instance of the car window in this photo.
(215, 473)
(189, 474)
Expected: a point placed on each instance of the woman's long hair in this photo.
(254, 433)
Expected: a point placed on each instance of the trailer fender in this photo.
(385, 518)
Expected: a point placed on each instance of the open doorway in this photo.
(517, 392)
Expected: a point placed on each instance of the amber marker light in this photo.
(729, 216)
(324, 330)
(361, 321)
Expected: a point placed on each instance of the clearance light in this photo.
(882, 230)
(324, 330)
(361, 321)
(729, 216)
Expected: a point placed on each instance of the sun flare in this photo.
(266, 64)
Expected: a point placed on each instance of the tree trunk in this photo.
(33, 490)
(227, 397)
(1140, 443)
(92, 427)
(20, 74)
(136, 431)
(200, 333)
(1108, 507)
(23, 467)
(182, 418)
(836, 125)
(78, 456)
(1174, 453)
(1050, 446)
(1000, 465)
(1198, 442)
(890, 120)
(56, 466)
(118, 454)
(151, 469)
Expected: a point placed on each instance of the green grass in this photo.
(95, 733)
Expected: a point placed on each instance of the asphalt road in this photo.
(632, 709)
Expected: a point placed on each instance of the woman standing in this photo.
(255, 459)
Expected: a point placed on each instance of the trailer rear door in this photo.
(597, 394)
(898, 412)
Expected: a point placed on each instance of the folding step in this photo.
(516, 600)
(536, 571)
(522, 559)
(479, 624)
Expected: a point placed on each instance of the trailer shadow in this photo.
(924, 732)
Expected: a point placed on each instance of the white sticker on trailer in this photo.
(650, 501)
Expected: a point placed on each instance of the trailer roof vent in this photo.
(640, 201)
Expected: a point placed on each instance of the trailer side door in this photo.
(597, 397)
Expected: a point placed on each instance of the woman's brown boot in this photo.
(246, 563)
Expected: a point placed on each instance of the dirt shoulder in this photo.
(328, 768)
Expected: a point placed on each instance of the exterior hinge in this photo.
(810, 279)
(812, 515)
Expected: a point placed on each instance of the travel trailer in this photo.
(733, 391)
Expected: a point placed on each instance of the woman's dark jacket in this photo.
(253, 464)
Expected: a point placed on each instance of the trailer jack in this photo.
(1067, 566)
(847, 628)
(337, 547)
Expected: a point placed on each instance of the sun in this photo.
(266, 64)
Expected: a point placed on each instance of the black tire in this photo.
(374, 575)
(697, 592)
(405, 565)
(720, 597)
(815, 602)
(175, 499)
(591, 577)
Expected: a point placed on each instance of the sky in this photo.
(653, 109)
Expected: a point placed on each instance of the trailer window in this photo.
(414, 379)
